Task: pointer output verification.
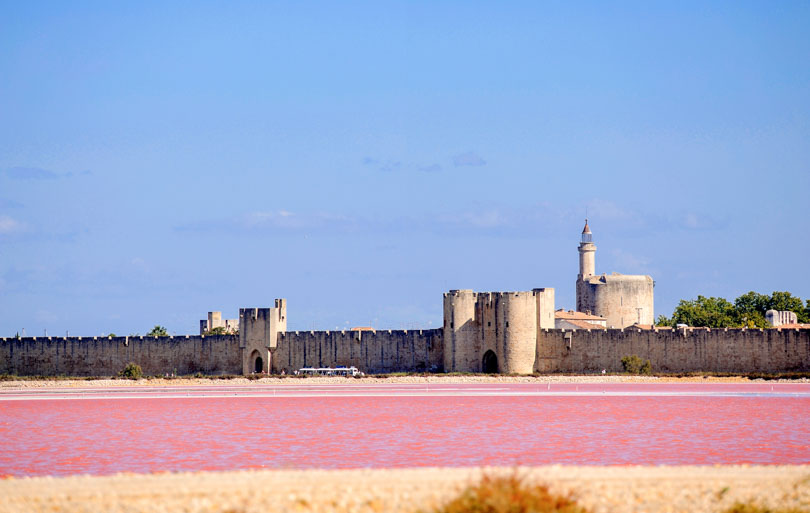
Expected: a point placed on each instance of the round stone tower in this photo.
(461, 341)
(516, 315)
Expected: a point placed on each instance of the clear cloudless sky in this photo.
(162, 159)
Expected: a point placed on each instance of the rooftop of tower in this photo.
(587, 229)
(587, 236)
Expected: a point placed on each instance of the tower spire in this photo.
(587, 236)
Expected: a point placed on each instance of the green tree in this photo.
(158, 331)
(711, 312)
(219, 330)
(750, 309)
(785, 301)
(747, 311)
(663, 320)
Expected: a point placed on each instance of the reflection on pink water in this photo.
(103, 436)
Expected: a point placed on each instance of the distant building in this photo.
(215, 320)
(622, 299)
(571, 320)
(777, 319)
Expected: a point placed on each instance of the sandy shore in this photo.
(601, 489)
(480, 379)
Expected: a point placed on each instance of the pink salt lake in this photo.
(104, 431)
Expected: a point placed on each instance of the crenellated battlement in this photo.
(371, 351)
(355, 333)
(125, 340)
(106, 356)
(733, 350)
(506, 332)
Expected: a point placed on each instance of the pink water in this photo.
(706, 425)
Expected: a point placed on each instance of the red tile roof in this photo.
(585, 325)
(570, 314)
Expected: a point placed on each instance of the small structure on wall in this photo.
(776, 318)
(215, 320)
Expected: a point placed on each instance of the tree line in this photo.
(747, 311)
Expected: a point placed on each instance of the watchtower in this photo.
(622, 299)
(258, 335)
(587, 253)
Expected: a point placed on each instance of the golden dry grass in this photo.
(509, 494)
(749, 507)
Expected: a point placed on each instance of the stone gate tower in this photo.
(622, 299)
(259, 329)
(495, 331)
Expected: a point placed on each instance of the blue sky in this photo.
(159, 160)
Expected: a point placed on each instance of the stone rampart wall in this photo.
(370, 351)
(106, 356)
(569, 351)
(680, 350)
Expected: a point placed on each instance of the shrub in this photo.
(131, 371)
(747, 507)
(634, 365)
(158, 331)
(509, 495)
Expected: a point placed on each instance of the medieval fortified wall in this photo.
(267, 346)
(106, 356)
(505, 332)
(675, 350)
(478, 348)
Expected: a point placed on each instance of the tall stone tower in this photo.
(258, 335)
(587, 253)
(622, 299)
(587, 268)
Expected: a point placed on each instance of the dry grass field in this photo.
(596, 489)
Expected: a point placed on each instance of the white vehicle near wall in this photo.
(330, 371)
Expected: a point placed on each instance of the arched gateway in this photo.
(490, 362)
(258, 362)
